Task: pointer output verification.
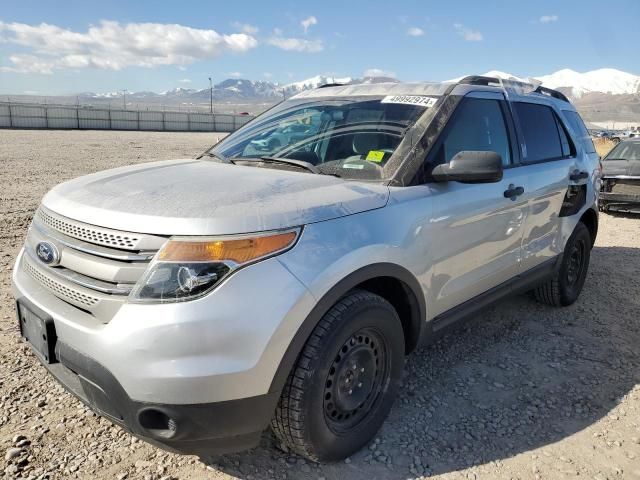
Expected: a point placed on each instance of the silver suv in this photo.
(198, 302)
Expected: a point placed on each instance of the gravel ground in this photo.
(523, 391)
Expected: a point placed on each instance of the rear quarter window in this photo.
(580, 130)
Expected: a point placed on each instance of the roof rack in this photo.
(552, 93)
(524, 87)
(479, 80)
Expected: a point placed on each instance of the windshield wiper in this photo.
(217, 157)
(286, 161)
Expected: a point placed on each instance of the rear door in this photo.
(548, 159)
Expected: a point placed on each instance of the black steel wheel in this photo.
(355, 380)
(345, 380)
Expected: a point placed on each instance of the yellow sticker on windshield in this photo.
(375, 156)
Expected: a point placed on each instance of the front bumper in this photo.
(193, 377)
(196, 429)
(620, 193)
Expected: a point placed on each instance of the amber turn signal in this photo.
(237, 250)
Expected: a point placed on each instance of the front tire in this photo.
(565, 286)
(345, 381)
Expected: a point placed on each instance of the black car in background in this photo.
(620, 189)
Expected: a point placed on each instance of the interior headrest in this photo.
(365, 142)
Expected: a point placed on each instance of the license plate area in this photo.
(39, 331)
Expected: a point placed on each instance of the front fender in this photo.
(330, 269)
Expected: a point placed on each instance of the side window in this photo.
(477, 125)
(577, 125)
(542, 137)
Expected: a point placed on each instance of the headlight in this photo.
(188, 267)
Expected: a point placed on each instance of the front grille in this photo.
(58, 289)
(95, 235)
(98, 266)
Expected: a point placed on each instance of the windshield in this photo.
(350, 137)
(625, 151)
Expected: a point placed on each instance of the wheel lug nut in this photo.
(360, 385)
(350, 392)
(362, 369)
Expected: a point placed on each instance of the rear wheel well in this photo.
(590, 219)
(402, 298)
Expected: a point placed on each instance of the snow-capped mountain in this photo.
(603, 80)
(176, 92)
(234, 89)
(315, 82)
(494, 74)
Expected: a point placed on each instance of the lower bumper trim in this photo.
(194, 429)
(620, 197)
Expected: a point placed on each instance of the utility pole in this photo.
(210, 96)
(124, 98)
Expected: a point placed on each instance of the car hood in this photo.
(202, 197)
(613, 168)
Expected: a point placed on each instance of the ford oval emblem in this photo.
(48, 253)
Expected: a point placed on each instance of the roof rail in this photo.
(527, 87)
(479, 80)
(552, 93)
(325, 85)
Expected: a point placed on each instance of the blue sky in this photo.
(143, 45)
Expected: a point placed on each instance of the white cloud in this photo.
(295, 44)
(28, 64)
(246, 28)
(235, 74)
(415, 32)
(114, 46)
(377, 72)
(468, 34)
(308, 22)
(185, 80)
(267, 75)
(549, 18)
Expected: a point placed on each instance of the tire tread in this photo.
(550, 292)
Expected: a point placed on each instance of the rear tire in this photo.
(345, 381)
(565, 286)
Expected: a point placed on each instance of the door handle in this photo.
(513, 192)
(578, 175)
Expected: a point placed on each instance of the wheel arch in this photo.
(590, 219)
(391, 281)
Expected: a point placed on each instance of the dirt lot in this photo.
(524, 391)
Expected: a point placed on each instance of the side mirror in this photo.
(470, 167)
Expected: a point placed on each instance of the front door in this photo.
(476, 229)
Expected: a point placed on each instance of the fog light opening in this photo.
(157, 423)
